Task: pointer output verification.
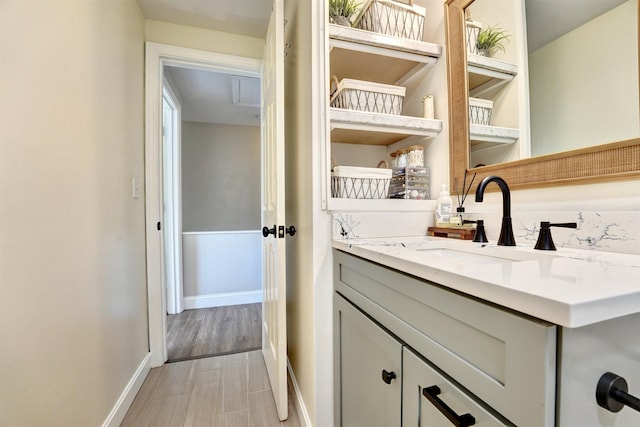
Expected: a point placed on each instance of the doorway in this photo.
(212, 238)
(188, 239)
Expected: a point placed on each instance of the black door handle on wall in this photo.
(431, 393)
(387, 376)
(266, 231)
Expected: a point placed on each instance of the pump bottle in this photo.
(443, 208)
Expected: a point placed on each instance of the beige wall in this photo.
(203, 39)
(584, 87)
(220, 177)
(73, 318)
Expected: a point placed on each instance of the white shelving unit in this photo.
(364, 55)
(486, 74)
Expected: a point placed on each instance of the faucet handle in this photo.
(480, 236)
(545, 241)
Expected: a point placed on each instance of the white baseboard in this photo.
(220, 300)
(115, 417)
(297, 399)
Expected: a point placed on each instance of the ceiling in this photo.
(549, 19)
(213, 97)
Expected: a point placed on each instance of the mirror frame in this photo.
(616, 160)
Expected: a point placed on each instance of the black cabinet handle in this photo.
(266, 231)
(387, 377)
(431, 393)
(611, 393)
(291, 230)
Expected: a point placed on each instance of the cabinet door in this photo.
(430, 400)
(368, 363)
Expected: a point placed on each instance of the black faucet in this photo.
(506, 232)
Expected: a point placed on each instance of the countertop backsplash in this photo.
(611, 231)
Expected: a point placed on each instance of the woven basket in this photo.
(392, 18)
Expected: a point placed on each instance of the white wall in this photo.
(222, 268)
(73, 321)
(220, 177)
(309, 264)
(590, 93)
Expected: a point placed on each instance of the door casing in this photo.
(156, 57)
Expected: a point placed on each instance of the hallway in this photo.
(214, 331)
(225, 391)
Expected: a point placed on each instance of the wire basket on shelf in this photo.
(473, 29)
(392, 18)
(353, 182)
(480, 111)
(360, 95)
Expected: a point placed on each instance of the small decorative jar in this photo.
(402, 158)
(415, 156)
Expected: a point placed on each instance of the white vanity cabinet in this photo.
(497, 365)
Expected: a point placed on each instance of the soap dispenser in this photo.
(443, 207)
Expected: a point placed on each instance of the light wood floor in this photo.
(214, 331)
(225, 391)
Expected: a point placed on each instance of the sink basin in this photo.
(467, 257)
(481, 253)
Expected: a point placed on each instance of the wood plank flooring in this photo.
(214, 331)
(224, 391)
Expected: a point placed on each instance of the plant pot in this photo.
(484, 52)
(340, 20)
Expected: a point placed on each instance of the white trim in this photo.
(220, 300)
(303, 414)
(172, 183)
(117, 414)
(156, 57)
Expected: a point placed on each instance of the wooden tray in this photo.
(463, 233)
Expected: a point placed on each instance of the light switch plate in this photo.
(135, 188)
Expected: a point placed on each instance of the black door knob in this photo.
(291, 230)
(266, 231)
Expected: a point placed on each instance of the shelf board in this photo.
(380, 205)
(486, 74)
(357, 127)
(365, 55)
(485, 137)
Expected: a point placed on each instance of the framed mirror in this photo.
(612, 159)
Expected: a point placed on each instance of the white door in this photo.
(274, 320)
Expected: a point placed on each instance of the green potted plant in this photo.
(491, 38)
(341, 11)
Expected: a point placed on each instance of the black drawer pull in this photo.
(611, 393)
(387, 377)
(431, 393)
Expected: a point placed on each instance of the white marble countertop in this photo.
(567, 287)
